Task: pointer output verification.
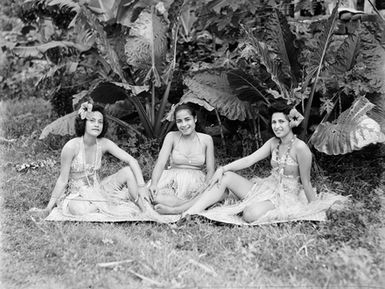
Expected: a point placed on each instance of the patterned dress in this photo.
(284, 191)
(184, 177)
(84, 185)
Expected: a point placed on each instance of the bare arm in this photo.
(304, 159)
(260, 154)
(210, 158)
(112, 148)
(164, 154)
(67, 154)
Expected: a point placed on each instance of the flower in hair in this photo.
(85, 110)
(295, 118)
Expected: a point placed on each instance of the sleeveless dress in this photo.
(84, 185)
(184, 177)
(284, 191)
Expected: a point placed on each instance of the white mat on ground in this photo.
(223, 213)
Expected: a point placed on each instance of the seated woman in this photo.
(188, 151)
(282, 196)
(78, 190)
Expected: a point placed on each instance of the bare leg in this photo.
(256, 210)
(168, 200)
(237, 184)
(125, 176)
(81, 207)
(165, 209)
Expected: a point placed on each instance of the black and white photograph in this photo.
(186, 144)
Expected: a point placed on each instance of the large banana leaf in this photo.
(346, 55)
(102, 43)
(148, 31)
(278, 36)
(64, 125)
(271, 64)
(247, 87)
(352, 131)
(317, 61)
(373, 57)
(213, 87)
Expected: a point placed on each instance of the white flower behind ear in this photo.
(85, 110)
(295, 118)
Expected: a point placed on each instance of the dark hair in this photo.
(192, 108)
(80, 124)
(186, 106)
(280, 107)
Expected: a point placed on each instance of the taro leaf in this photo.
(62, 126)
(317, 57)
(247, 87)
(346, 55)
(102, 44)
(373, 57)
(186, 99)
(272, 66)
(352, 131)
(378, 112)
(110, 92)
(213, 87)
(278, 36)
(149, 29)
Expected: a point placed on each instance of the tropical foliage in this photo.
(234, 57)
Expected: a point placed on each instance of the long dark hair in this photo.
(80, 124)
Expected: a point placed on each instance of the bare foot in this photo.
(165, 210)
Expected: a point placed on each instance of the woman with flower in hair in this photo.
(79, 190)
(189, 152)
(286, 194)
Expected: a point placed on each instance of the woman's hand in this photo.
(144, 193)
(153, 190)
(217, 177)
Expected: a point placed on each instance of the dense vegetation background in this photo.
(233, 60)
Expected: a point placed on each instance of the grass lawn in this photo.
(347, 251)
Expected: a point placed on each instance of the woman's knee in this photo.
(126, 175)
(249, 215)
(252, 212)
(78, 208)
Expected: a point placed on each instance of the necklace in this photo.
(91, 169)
(285, 156)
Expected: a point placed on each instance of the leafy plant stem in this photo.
(153, 69)
(309, 103)
(376, 10)
(220, 128)
(169, 81)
